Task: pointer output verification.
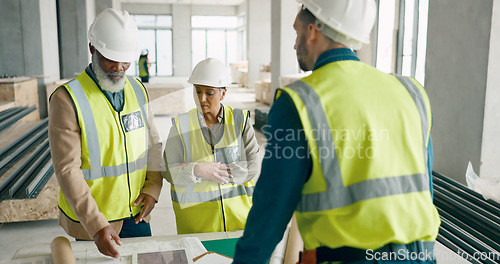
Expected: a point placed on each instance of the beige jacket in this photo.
(65, 146)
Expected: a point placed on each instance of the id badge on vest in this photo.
(228, 154)
(132, 121)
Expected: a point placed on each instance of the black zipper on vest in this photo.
(126, 164)
(222, 209)
(220, 191)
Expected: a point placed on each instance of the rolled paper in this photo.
(61, 251)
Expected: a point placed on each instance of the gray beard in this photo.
(105, 82)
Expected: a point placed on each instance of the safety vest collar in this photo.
(334, 55)
(185, 127)
(337, 194)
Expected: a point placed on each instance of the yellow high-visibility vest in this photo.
(143, 66)
(114, 146)
(208, 206)
(368, 133)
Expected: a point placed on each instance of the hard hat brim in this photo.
(208, 83)
(117, 56)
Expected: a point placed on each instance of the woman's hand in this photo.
(214, 171)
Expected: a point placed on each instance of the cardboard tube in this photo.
(61, 251)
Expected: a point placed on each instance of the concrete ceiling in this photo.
(191, 2)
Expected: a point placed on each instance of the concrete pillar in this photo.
(11, 53)
(181, 37)
(73, 27)
(258, 37)
(49, 50)
(283, 58)
(457, 81)
(29, 42)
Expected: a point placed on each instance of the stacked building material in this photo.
(30, 154)
(470, 225)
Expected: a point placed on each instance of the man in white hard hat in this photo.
(144, 66)
(359, 177)
(212, 157)
(104, 146)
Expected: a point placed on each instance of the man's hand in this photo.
(149, 204)
(104, 241)
(212, 171)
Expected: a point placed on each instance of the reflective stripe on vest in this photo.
(337, 195)
(199, 197)
(96, 170)
(190, 196)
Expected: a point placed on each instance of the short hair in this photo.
(306, 17)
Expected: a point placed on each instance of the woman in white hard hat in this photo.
(212, 157)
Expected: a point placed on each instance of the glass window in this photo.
(147, 40)
(164, 21)
(385, 38)
(214, 21)
(408, 38)
(220, 37)
(216, 44)
(401, 49)
(155, 35)
(423, 12)
(164, 43)
(145, 20)
(232, 46)
(199, 46)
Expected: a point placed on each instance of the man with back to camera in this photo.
(359, 180)
(100, 128)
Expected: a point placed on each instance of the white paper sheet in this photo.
(214, 258)
(128, 252)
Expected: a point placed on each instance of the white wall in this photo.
(491, 131)
(458, 51)
(258, 37)
(284, 60)
(49, 51)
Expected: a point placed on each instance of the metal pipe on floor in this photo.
(7, 162)
(11, 146)
(11, 120)
(8, 112)
(41, 178)
(469, 223)
(29, 166)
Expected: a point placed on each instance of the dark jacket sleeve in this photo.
(285, 169)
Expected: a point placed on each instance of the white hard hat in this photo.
(114, 34)
(210, 72)
(144, 52)
(353, 19)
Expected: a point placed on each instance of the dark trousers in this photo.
(130, 229)
(145, 78)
